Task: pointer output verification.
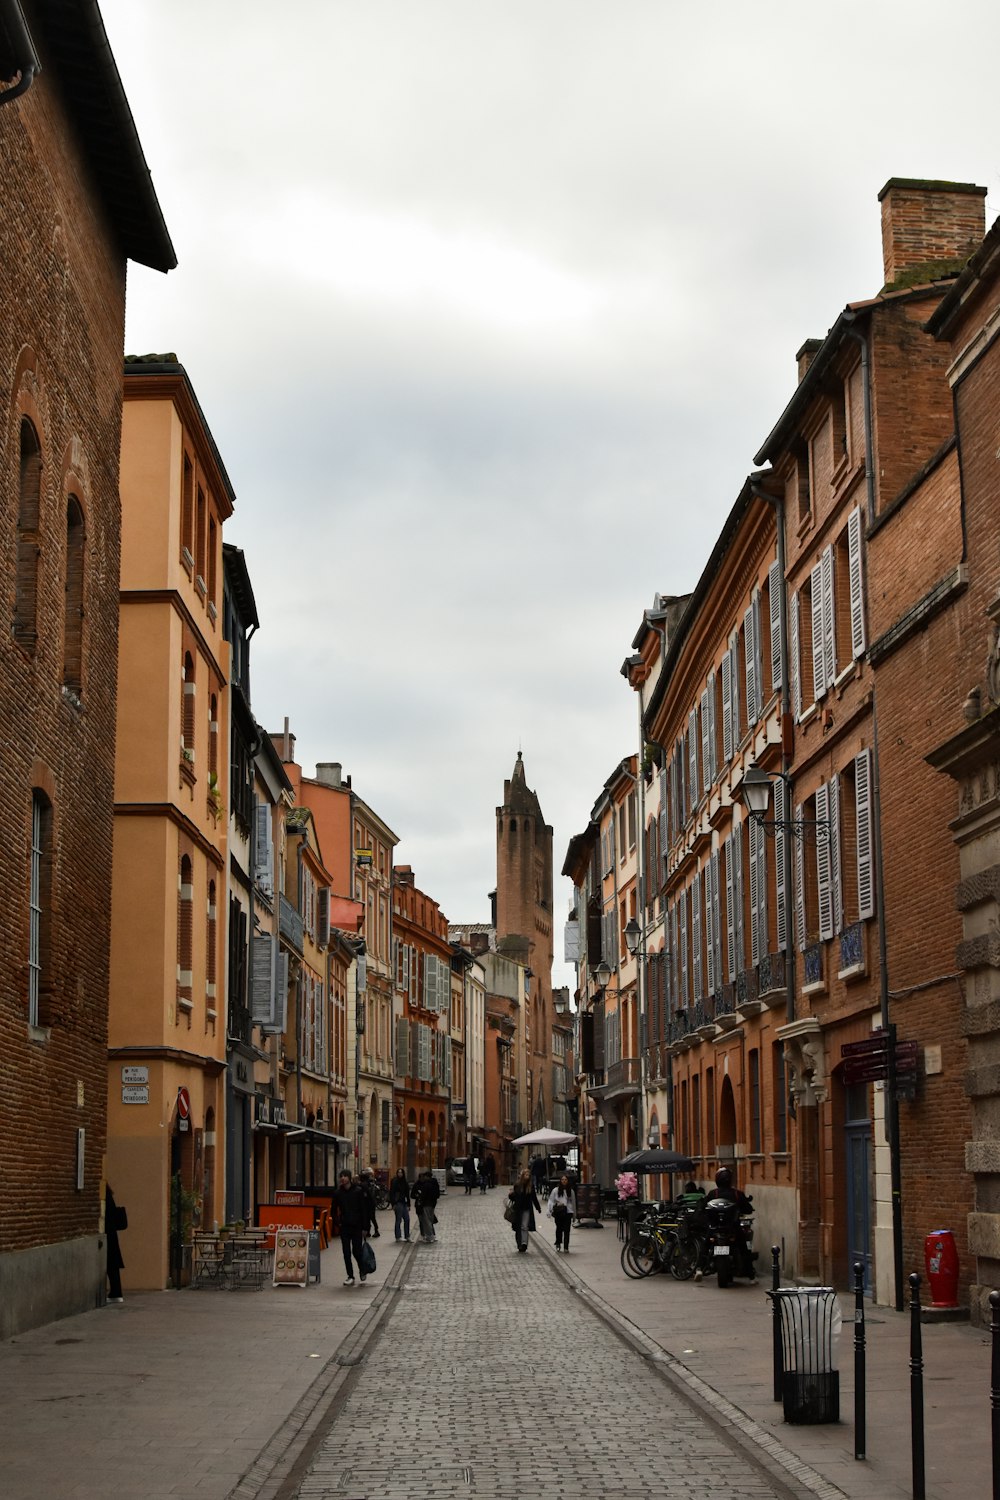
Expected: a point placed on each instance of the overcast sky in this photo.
(489, 306)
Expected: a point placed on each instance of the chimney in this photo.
(806, 355)
(284, 743)
(929, 229)
(328, 772)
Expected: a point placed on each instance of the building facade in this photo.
(78, 203)
(423, 1055)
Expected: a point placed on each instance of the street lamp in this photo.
(633, 936)
(754, 791)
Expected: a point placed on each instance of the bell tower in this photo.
(524, 922)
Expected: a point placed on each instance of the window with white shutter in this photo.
(263, 857)
(696, 907)
(682, 914)
(262, 979)
(800, 885)
(863, 816)
(818, 651)
(727, 708)
(695, 796)
(780, 835)
(402, 1047)
(706, 743)
(829, 617)
(730, 907)
(836, 886)
(738, 886)
(734, 679)
(755, 831)
(758, 654)
(856, 583)
(824, 885)
(794, 665)
(716, 924)
(750, 666)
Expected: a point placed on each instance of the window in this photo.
(755, 1141)
(631, 820)
(39, 907)
(187, 514)
(212, 543)
(28, 551)
(73, 622)
(696, 1115)
(185, 935)
(710, 1111)
(200, 538)
(187, 709)
(213, 738)
(780, 1098)
(211, 938)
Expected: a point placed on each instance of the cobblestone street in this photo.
(491, 1379)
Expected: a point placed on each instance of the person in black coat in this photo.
(425, 1195)
(399, 1202)
(352, 1206)
(525, 1201)
(114, 1218)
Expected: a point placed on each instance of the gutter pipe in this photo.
(24, 51)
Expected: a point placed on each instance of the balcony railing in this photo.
(624, 1076)
(812, 964)
(852, 949)
(771, 974)
(239, 1024)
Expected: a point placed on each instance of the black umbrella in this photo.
(656, 1159)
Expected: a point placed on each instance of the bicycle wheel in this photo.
(686, 1258)
(628, 1264)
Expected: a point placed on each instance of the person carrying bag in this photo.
(562, 1208)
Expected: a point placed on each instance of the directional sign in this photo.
(877, 1042)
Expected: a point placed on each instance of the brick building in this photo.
(423, 973)
(523, 919)
(967, 321)
(77, 204)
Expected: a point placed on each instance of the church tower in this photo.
(524, 923)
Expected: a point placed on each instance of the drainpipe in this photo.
(25, 55)
(778, 505)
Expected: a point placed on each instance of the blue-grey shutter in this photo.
(682, 917)
(716, 926)
(402, 1046)
(693, 757)
(696, 936)
(754, 830)
(800, 886)
(262, 978)
(818, 648)
(737, 846)
(763, 932)
(707, 773)
(794, 666)
(709, 932)
(758, 655)
(263, 864)
(780, 835)
(829, 617)
(774, 587)
(279, 1023)
(836, 882)
(734, 679)
(730, 908)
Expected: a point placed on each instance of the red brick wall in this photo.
(61, 364)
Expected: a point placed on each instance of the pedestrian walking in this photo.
(368, 1183)
(469, 1175)
(115, 1218)
(538, 1173)
(562, 1208)
(351, 1205)
(399, 1202)
(425, 1195)
(525, 1201)
(491, 1170)
(483, 1178)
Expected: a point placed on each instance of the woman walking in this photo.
(525, 1201)
(562, 1207)
(399, 1202)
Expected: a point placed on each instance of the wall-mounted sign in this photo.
(183, 1109)
(135, 1075)
(363, 856)
(135, 1093)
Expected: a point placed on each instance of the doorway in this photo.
(858, 1181)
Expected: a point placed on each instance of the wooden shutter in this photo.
(706, 743)
(758, 656)
(280, 1021)
(716, 922)
(780, 835)
(763, 933)
(857, 588)
(730, 911)
(823, 882)
(734, 677)
(800, 886)
(693, 757)
(263, 866)
(323, 898)
(818, 653)
(675, 956)
(709, 931)
(863, 806)
(754, 831)
(750, 665)
(587, 1041)
(713, 730)
(829, 617)
(402, 1047)
(696, 924)
(599, 1038)
(737, 842)
(774, 587)
(727, 708)
(682, 917)
(262, 979)
(794, 667)
(836, 882)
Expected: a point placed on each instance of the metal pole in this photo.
(995, 1389)
(779, 1363)
(916, 1390)
(860, 1435)
(891, 1093)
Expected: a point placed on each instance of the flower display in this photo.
(628, 1186)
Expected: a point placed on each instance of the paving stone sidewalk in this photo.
(490, 1379)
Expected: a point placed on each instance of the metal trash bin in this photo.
(810, 1330)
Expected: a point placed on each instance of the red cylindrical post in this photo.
(941, 1259)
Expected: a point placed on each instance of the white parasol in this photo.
(545, 1138)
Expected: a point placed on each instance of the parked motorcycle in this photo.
(728, 1239)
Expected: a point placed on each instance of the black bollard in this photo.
(860, 1434)
(916, 1389)
(995, 1389)
(779, 1363)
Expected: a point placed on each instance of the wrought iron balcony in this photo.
(624, 1077)
(771, 974)
(852, 950)
(812, 965)
(239, 1023)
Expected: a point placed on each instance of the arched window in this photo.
(187, 709)
(29, 500)
(73, 627)
(211, 939)
(185, 935)
(39, 908)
